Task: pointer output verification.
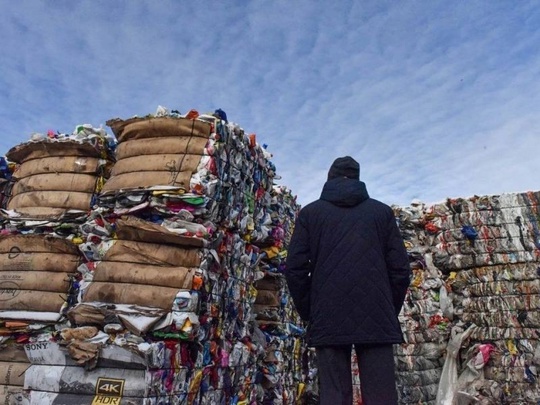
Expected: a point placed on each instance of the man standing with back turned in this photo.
(348, 273)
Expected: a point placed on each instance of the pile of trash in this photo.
(146, 267)
(174, 291)
(48, 185)
(59, 175)
(488, 249)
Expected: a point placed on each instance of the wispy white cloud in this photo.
(434, 100)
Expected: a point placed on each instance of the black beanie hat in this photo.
(344, 167)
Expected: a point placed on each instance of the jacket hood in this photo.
(344, 192)
(344, 166)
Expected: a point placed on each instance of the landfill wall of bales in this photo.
(144, 265)
(471, 317)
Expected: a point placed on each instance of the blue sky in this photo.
(435, 99)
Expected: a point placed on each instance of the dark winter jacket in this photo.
(347, 267)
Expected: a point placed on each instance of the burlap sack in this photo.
(266, 313)
(82, 314)
(34, 280)
(174, 144)
(139, 128)
(66, 182)
(144, 180)
(135, 229)
(131, 294)
(53, 199)
(55, 262)
(22, 300)
(13, 353)
(157, 163)
(57, 164)
(11, 394)
(134, 273)
(36, 243)
(269, 283)
(152, 253)
(266, 297)
(12, 373)
(45, 149)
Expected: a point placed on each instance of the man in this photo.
(348, 273)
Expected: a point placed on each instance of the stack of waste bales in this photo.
(285, 363)
(59, 174)
(424, 318)
(488, 249)
(470, 318)
(150, 271)
(39, 257)
(26, 261)
(188, 223)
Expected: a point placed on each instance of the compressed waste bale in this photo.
(59, 173)
(25, 262)
(419, 361)
(488, 249)
(156, 166)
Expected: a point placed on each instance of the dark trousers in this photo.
(377, 374)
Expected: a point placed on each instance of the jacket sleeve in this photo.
(298, 268)
(397, 263)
